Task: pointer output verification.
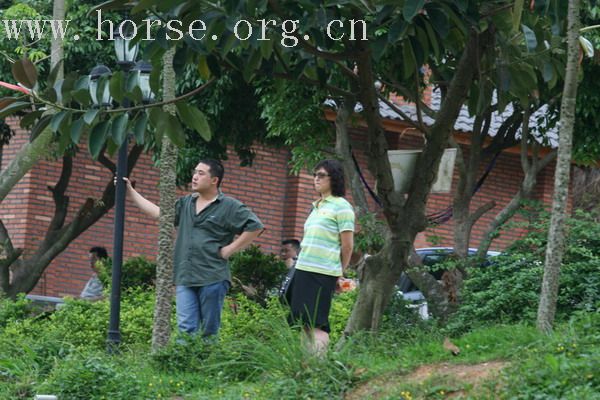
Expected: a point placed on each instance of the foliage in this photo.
(15, 310)
(565, 367)
(258, 356)
(293, 111)
(402, 317)
(135, 272)
(508, 289)
(253, 268)
(91, 376)
(586, 143)
(370, 238)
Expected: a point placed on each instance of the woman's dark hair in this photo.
(336, 175)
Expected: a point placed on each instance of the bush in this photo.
(508, 290)
(135, 272)
(263, 272)
(14, 310)
(566, 367)
(91, 376)
(84, 324)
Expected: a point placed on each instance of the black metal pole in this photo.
(114, 333)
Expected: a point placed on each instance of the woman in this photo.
(325, 252)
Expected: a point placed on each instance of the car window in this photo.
(432, 259)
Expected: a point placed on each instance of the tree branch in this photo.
(418, 126)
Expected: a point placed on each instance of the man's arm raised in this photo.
(143, 204)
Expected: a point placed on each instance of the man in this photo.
(289, 252)
(93, 288)
(207, 222)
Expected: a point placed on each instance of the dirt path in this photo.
(465, 374)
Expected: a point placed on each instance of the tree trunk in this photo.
(343, 149)
(555, 247)
(161, 330)
(405, 217)
(27, 271)
(57, 49)
(25, 159)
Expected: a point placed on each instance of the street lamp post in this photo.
(126, 54)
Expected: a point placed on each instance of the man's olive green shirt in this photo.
(201, 236)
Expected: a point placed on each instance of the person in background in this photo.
(325, 253)
(289, 252)
(93, 288)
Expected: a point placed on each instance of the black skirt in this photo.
(311, 299)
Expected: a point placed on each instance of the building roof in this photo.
(464, 123)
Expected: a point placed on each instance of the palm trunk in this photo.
(164, 272)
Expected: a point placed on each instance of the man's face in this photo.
(287, 251)
(201, 180)
(93, 259)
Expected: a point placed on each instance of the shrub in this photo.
(508, 289)
(91, 376)
(135, 272)
(371, 236)
(566, 367)
(84, 323)
(263, 272)
(14, 310)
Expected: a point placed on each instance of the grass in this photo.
(259, 357)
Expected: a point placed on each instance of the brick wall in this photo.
(280, 200)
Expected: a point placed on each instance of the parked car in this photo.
(430, 256)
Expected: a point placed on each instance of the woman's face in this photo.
(322, 181)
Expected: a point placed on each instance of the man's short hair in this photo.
(99, 251)
(294, 242)
(215, 168)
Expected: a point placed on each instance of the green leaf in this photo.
(155, 80)
(116, 86)
(157, 117)
(517, 14)
(90, 116)
(13, 107)
(76, 130)
(547, 71)
(252, 65)
(230, 42)
(54, 73)
(433, 40)
(40, 126)
(203, 68)
(119, 128)
(131, 82)
(530, 39)
(25, 73)
(58, 90)
(408, 59)
(266, 48)
(174, 131)
(98, 138)
(195, 119)
(439, 21)
(30, 118)
(412, 8)
(139, 128)
(63, 142)
(57, 120)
